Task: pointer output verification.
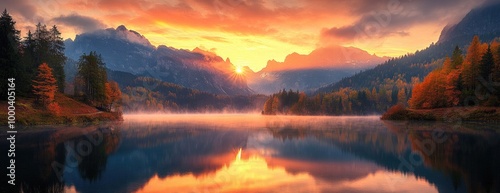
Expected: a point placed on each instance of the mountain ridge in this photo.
(320, 67)
(416, 65)
(129, 51)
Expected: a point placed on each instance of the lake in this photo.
(254, 153)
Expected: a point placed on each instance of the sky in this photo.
(251, 32)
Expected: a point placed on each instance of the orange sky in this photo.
(251, 32)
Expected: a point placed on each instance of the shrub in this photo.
(396, 112)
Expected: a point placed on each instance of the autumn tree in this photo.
(9, 52)
(113, 96)
(470, 71)
(45, 87)
(452, 88)
(430, 93)
(402, 99)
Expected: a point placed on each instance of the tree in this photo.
(45, 46)
(9, 52)
(402, 96)
(496, 68)
(457, 58)
(91, 79)
(113, 96)
(470, 67)
(447, 65)
(44, 88)
(452, 88)
(56, 58)
(268, 106)
(486, 64)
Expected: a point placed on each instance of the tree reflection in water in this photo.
(290, 154)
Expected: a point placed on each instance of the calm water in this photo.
(253, 153)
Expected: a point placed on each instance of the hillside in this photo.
(481, 21)
(146, 94)
(72, 112)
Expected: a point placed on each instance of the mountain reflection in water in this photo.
(253, 153)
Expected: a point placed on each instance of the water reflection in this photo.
(251, 153)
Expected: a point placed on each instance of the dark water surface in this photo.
(253, 153)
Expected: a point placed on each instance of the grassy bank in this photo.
(72, 112)
(476, 113)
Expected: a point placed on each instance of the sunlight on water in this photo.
(255, 174)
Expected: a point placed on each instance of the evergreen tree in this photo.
(496, 68)
(57, 59)
(457, 58)
(486, 64)
(91, 79)
(9, 52)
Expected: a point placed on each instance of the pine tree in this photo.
(496, 68)
(92, 76)
(9, 52)
(45, 87)
(457, 58)
(486, 64)
(57, 59)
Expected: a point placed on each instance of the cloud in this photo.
(22, 7)
(79, 22)
(215, 39)
(380, 19)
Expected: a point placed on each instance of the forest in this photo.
(462, 80)
(42, 72)
(35, 63)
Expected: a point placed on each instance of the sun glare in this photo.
(239, 70)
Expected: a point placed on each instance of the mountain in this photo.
(318, 68)
(128, 51)
(481, 21)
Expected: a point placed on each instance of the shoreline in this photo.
(452, 114)
(73, 112)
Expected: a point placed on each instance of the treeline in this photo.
(345, 101)
(36, 62)
(20, 59)
(146, 94)
(462, 81)
(457, 81)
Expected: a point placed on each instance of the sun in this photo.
(239, 70)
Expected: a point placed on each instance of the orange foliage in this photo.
(54, 108)
(113, 94)
(44, 86)
(452, 91)
(430, 93)
(471, 62)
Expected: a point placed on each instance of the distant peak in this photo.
(121, 28)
